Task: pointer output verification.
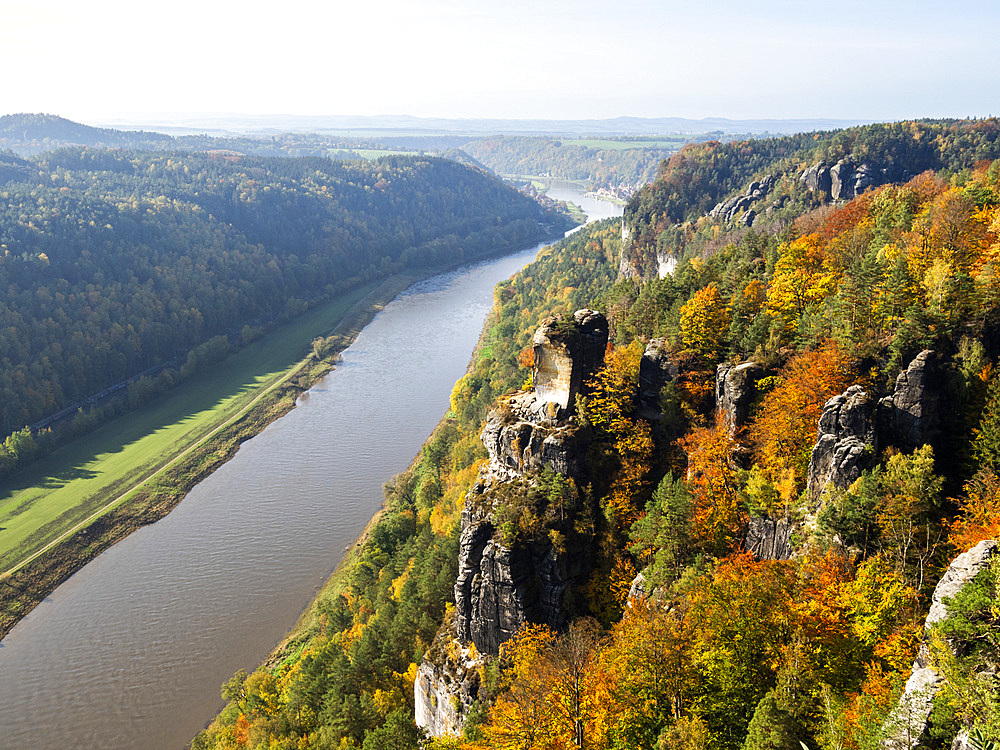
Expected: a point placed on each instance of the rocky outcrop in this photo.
(500, 585)
(853, 429)
(817, 178)
(769, 538)
(446, 687)
(908, 721)
(847, 443)
(565, 353)
(911, 417)
(735, 390)
(738, 207)
(846, 179)
(532, 429)
(516, 443)
(656, 369)
(499, 588)
(509, 576)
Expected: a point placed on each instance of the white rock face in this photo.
(553, 368)
(665, 265)
(444, 692)
(909, 719)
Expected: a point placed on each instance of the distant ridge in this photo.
(242, 123)
(34, 133)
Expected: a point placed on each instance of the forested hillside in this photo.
(113, 262)
(34, 134)
(821, 442)
(602, 166)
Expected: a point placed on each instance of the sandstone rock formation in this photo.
(769, 538)
(908, 721)
(911, 417)
(852, 429)
(656, 369)
(847, 443)
(846, 179)
(506, 579)
(446, 687)
(738, 207)
(735, 389)
(566, 352)
(500, 588)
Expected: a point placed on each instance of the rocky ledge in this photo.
(508, 575)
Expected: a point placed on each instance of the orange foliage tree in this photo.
(784, 428)
(647, 666)
(718, 516)
(979, 512)
(553, 691)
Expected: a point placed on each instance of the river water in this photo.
(130, 652)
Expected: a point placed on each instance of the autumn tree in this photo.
(910, 490)
(803, 276)
(783, 430)
(551, 690)
(610, 407)
(522, 717)
(647, 664)
(705, 323)
(718, 514)
(741, 616)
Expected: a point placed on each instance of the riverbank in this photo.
(157, 492)
(150, 470)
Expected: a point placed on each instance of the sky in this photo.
(551, 59)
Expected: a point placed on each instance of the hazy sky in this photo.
(878, 59)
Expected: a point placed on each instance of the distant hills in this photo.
(241, 123)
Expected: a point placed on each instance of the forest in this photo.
(117, 263)
(726, 649)
(522, 155)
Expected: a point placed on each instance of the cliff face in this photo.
(908, 722)
(853, 429)
(507, 579)
(847, 179)
(510, 574)
(735, 390)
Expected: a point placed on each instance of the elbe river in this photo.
(130, 652)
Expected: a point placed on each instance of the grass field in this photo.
(68, 487)
(616, 145)
(373, 153)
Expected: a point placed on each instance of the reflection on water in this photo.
(130, 651)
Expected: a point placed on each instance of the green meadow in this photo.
(79, 482)
(621, 145)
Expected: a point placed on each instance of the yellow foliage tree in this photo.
(803, 276)
(705, 323)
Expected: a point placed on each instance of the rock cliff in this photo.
(769, 538)
(521, 548)
(446, 686)
(846, 179)
(853, 429)
(908, 721)
(656, 369)
(739, 206)
(735, 390)
(847, 443)
(911, 417)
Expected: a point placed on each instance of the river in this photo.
(130, 651)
